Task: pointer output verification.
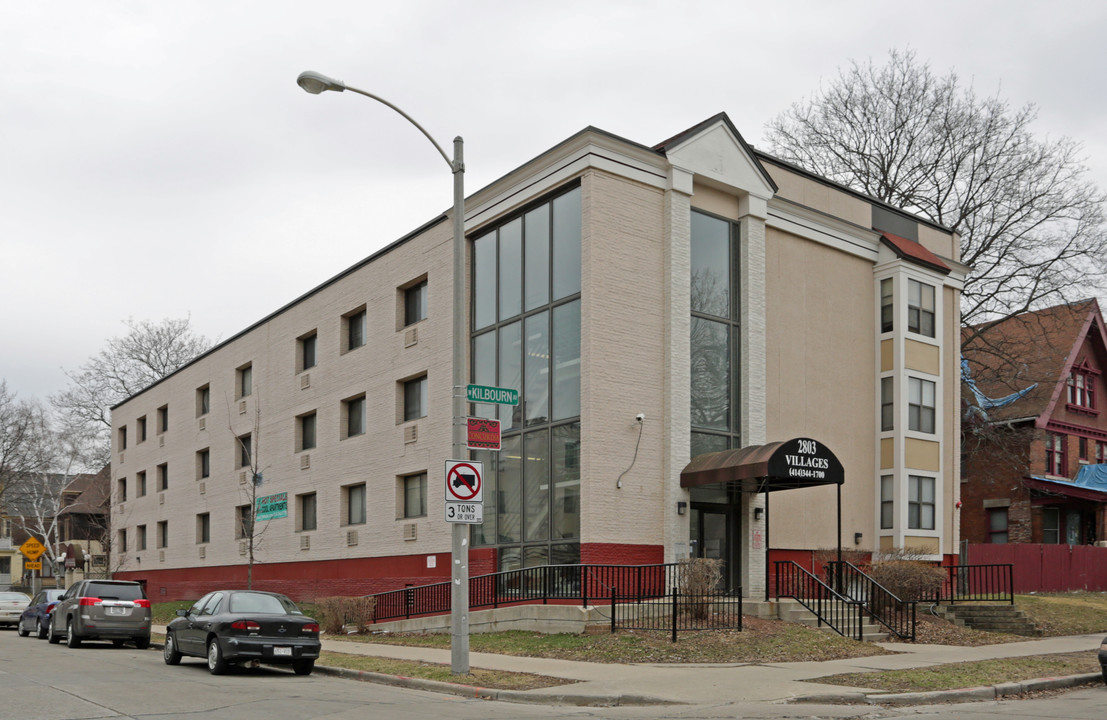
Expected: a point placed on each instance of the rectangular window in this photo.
(415, 303)
(244, 444)
(415, 495)
(355, 504)
(887, 309)
(1081, 389)
(140, 430)
(306, 351)
(1051, 526)
(163, 419)
(353, 411)
(997, 526)
(305, 511)
(243, 522)
(1055, 455)
(920, 503)
(354, 330)
(122, 435)
(163, 477)
(887, 502)
(1100, 453)
(920, 308)
(306, 432)
(887, 404)
(140, 484)
(244, 381)
(122, 541)
(203, 528)
(1083, 448)
(163, 534)
(203, 400)
(121, 490)
(203, 464)
(920, 405)
(140, 537)
(415, 399)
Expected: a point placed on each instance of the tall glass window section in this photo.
(526, 336)
(714, 346)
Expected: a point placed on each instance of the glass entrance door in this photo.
(712, 536)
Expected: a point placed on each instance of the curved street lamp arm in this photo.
(410, 120)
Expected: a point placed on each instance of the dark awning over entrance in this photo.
(784, 465)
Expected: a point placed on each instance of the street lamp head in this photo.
(316, 83)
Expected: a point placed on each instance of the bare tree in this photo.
(249, 529)
(22, 427)
(147, 353)
(1031, 221)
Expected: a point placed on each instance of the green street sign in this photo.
(489, 394)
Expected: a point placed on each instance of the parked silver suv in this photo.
(115, 610)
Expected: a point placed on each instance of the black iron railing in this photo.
(977, 583)
(678, 612)
(837, 611)
(898, 616)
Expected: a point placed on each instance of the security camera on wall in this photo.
(640, 417)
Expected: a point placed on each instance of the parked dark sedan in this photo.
(36, 618)
(243, 626)
(1103, 659)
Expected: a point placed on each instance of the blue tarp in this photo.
(1090, 477)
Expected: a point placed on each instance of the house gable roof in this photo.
(715, 150)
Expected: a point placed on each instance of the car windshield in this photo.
(114, 591)
(261, 603)
(10, 596)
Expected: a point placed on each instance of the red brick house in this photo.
(1034, 430)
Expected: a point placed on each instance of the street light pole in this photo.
(316, 83)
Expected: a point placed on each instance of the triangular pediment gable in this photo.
(714, 150)
(1090, 340)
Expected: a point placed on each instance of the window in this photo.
(1051, 526)
(354, 328)
(122, 438)
(1101, 453)
(245, 447)
(140, 430)
(203, 400)
(163, 419)
(415, 495)
(163, 534)
(244, 381)
(1083, 448)
(203, 528)
(305, 511)
(306, 351)
(354, 500)
(243, 522)
(920, 308)
(122, 543)
(997, 525)
(1081, 388)
(887, 502)
(163, 476)
(203, 464)
(920, 405)
(415, 399)
(887, 404)
(1055, 455)
(353, 411)
(415, 303)
(920, 503)
(305, 431)
(121, 490)
(140, 537)
(887, 313)
(140, 484)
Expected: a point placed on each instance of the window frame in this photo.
(162, 531)
(887, 306)
(203, 464)
(887, 502)
(244, 381)
(993, 532)
(302, 422)
(354, 498)
(420, 484)
(888, 403)
(1081, 390)
(921, 309)
(355, 319)
(203, 528)
(307, 351)
(416, 297)
(921, 417)
(419, 384)
(302, 514)
(354, 407)
(1056, 460)
(203, 400)
(162, 477)
(917, 503)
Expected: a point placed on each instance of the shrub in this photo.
(698, 580)
(335, 613)
(909, 579)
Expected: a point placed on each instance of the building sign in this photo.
(271, 507)
(482, 434)
(806, 461)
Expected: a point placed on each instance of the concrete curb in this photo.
(973, 694)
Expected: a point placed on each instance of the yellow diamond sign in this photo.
(32, 549)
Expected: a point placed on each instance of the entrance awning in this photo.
(784, 465)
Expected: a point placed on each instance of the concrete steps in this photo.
(792, 611)
(994, 618)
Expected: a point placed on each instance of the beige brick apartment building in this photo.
(729, 298)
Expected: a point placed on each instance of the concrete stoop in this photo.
(994, 618)
(793, 611)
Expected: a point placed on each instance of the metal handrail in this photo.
(898, 616)
(840, 613)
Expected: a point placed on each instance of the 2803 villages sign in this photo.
(270, 507)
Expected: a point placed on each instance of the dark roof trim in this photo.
(1066, 489)
(783, 465)
(666, 145)
(914, 252)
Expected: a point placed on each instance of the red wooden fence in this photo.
(1047, 568)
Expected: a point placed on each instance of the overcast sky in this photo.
(158, 160)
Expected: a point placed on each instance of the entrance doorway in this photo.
(714, 535)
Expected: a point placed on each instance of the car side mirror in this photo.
(182, 613)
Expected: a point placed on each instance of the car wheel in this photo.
(303, 667)
(216, 664)
(52, 636)
(71, 639)
(1104, 668)
(142, 642)
(22, 630)
(169, 652)
(41, 632)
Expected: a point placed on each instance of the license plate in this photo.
(117, 611)
(282, 651)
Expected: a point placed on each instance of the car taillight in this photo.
(51, 606)
(142, 603)
(245, 625)
(311, 627)
(90, 601)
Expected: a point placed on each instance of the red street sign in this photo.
(483, 434)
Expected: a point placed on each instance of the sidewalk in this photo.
(612, 684)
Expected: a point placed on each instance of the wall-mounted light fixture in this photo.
(857, 538)
(682, 507)
(758, 512)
